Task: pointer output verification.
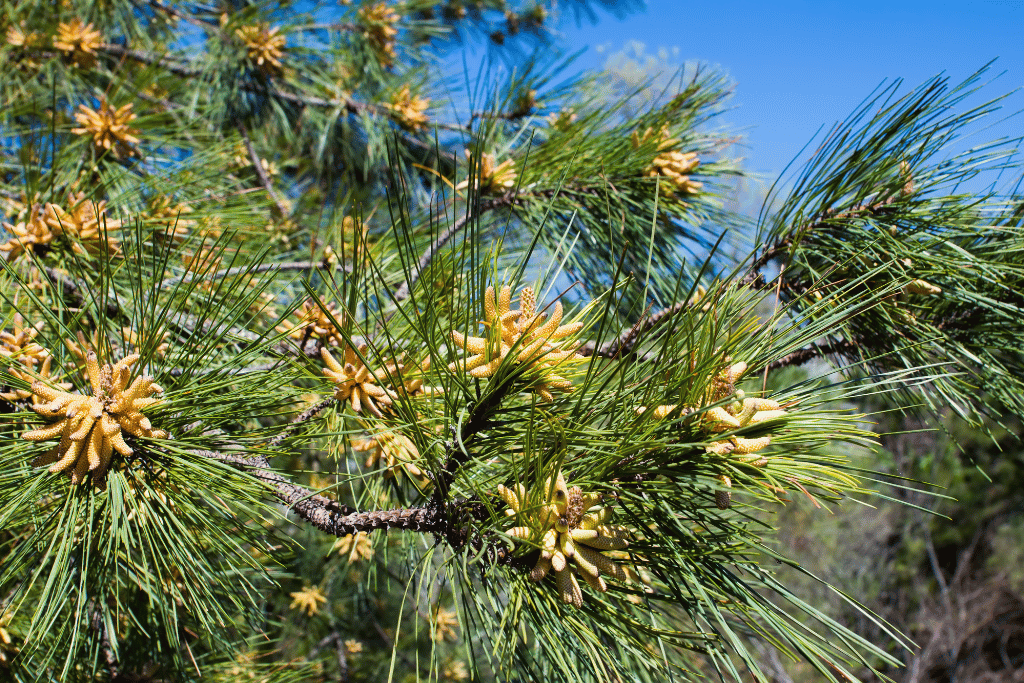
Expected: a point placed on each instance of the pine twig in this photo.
(325, 514)
(261, 172)
(305, 416)
(277, 267)
(73, 290)
(822, 220)
(171, 11)
(406, 287)
(339, 645)
(108, 652)
(626, 342)
(801, 356)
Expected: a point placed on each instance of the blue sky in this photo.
(800, 64)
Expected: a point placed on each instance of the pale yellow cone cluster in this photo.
(356, 547)
(81, 348)
(743, 412)
(28, 233)
(563, 521)
(86, 221)
(312, 322)
(670, 163)
(308, 600)
(139, 341)
(21, 37)
(378, 22)
(492, 179)
(90, 427)
(409, 111)
(395, 453)
(109, 128)
(454, 672)
(170, 219)
(538, 346)
(562, 119)
(351, 240)
(354, 383)
(78, 41)
(413, 378)
(202, 261)
(18, 344)
(445, 623)
(265, 47)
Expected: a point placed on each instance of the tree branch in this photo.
(239, 270)
(72, 289)
(261, 172)
(626, 342)
(109, 658)
(824, 219)
(406, 287)
(171, 11)
(305, 416)
(801, 356)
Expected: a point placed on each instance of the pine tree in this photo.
(321, 365)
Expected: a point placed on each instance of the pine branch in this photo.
(305, 416)
(73, 290)
(109, 658)
(825, 220)
(169, 63)
(171, 11)
(443, 519)
(801, 356)
(626, 342)
(406, 287)
(334, 638)
(277, 267)
(323, 513)
(261, 172)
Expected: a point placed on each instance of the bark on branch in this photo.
(406, 287)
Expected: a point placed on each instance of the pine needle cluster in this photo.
(268, 411)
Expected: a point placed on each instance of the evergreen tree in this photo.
(318, 366)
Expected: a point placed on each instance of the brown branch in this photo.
(347, 104)
(801, 356)
(171, 11)
(108, 651)
(341, 27)
(239, 270)
(406, 287)
(442, 519)
(625, 343)
(168, 63)
(822, 220)
(325, 514)
(305, 416)
(261, 172)
(339, 645)
(339, 648)
(450, 520)
(73, 289)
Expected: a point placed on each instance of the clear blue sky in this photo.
(800, 64)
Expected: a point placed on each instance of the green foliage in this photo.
(361, 344)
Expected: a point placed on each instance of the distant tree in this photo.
(322, 366)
